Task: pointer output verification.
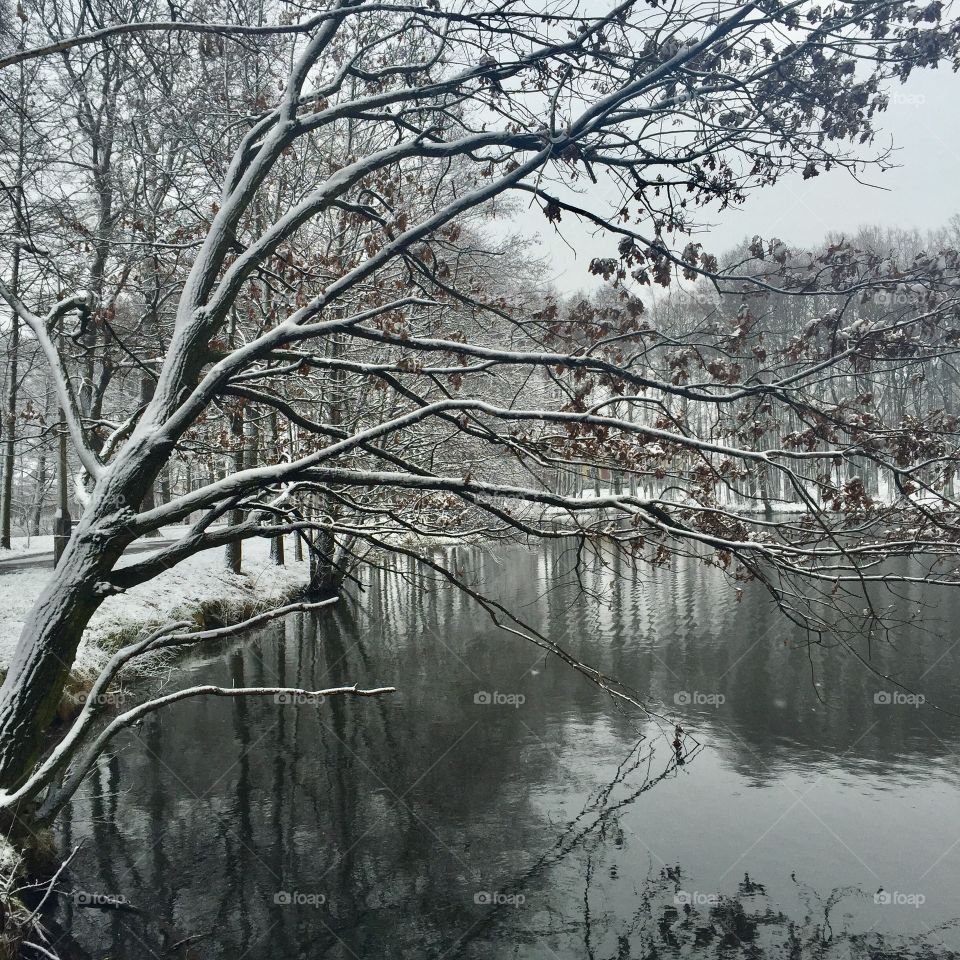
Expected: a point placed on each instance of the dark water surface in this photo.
(499, 805)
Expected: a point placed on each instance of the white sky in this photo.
(923, 124)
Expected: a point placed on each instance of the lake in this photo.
(501, 805)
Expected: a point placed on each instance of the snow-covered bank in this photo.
(200, 583)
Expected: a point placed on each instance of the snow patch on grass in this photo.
(27, 546)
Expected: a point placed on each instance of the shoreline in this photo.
(199, 588)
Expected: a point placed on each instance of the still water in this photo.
(500, 805)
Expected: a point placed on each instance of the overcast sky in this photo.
(923, 123)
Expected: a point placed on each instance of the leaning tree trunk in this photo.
(51, 635)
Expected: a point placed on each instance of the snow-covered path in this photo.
(15, 561)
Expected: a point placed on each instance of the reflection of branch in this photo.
(136, 714)
(808, 894)
(48, 886)
(570, 839)
(619, 692)
(567, 842)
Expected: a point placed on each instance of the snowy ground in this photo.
(198, 582)
(27, 546)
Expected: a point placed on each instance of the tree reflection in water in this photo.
(401, 813)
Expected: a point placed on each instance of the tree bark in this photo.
(48, 645)
(276, 544)
(10, 415)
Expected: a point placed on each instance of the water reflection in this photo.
(500, 805)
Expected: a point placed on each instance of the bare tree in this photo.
(393, 124)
